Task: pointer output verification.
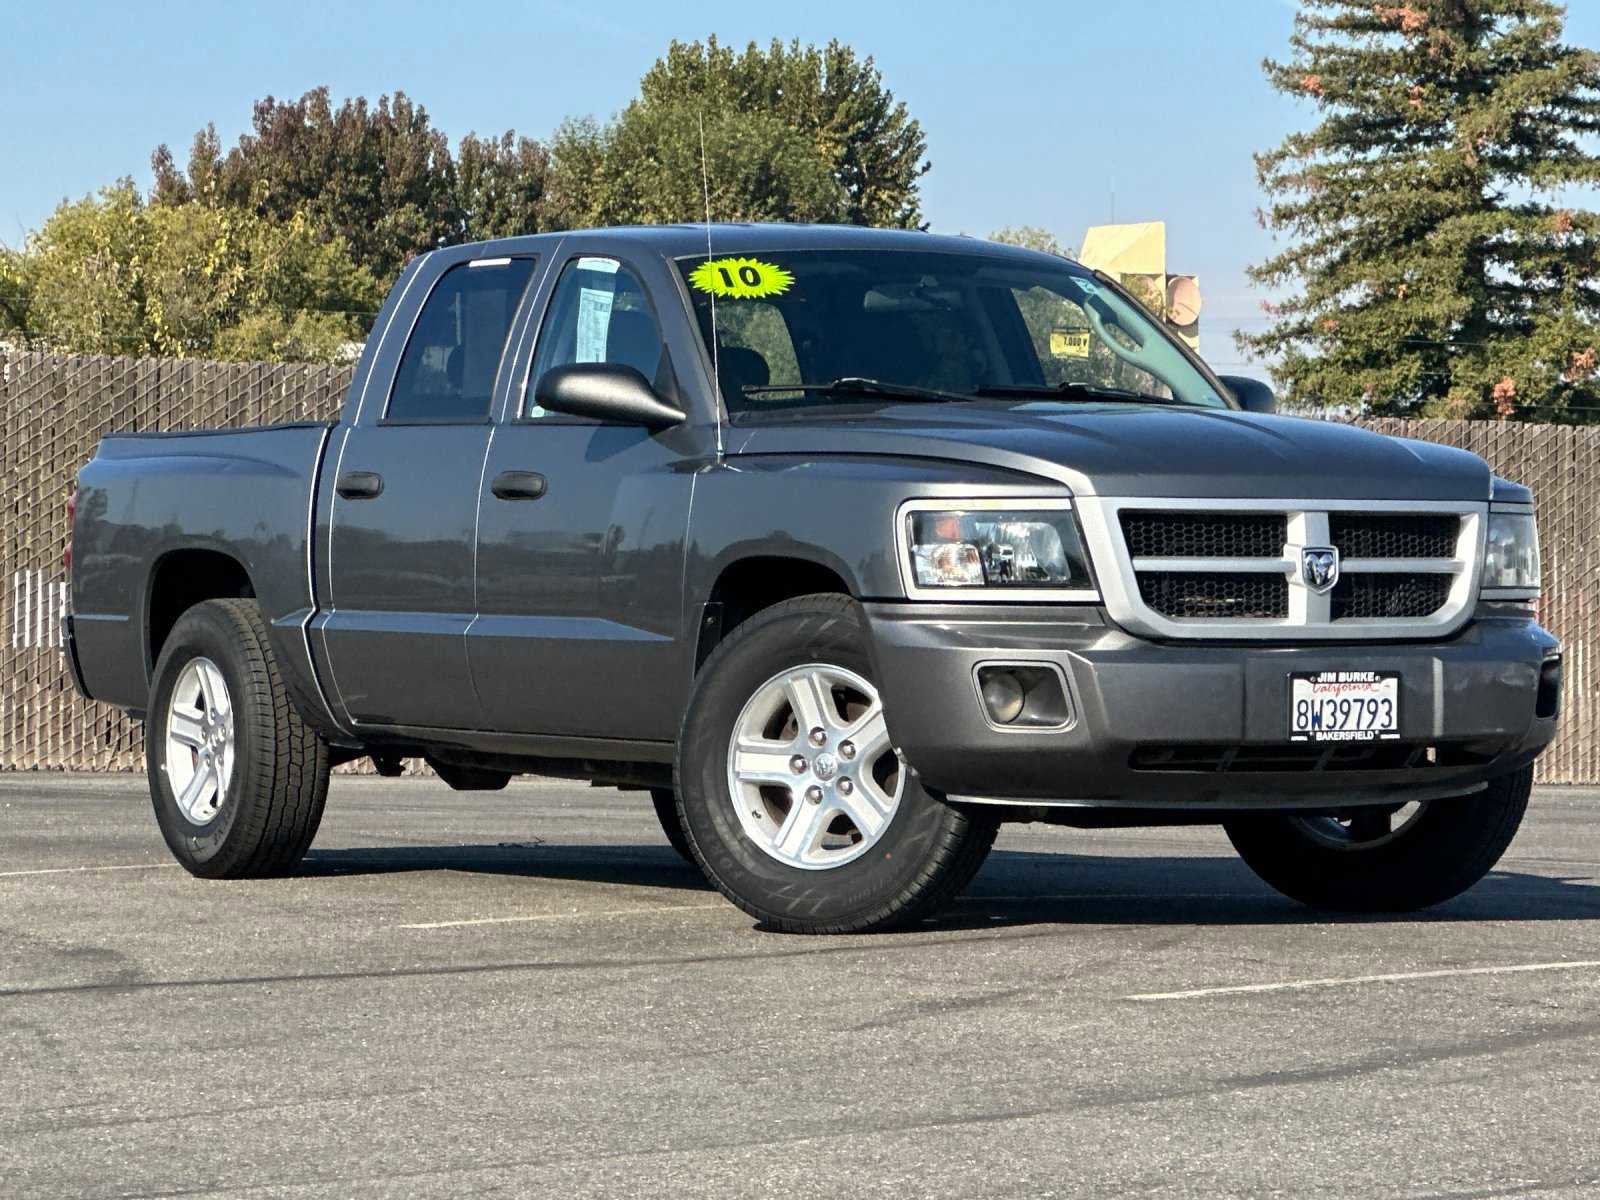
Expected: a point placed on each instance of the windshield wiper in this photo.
(1092, 391)
(855, 385)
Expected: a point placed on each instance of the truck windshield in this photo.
(809, 328)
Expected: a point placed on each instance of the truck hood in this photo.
(1138, 450)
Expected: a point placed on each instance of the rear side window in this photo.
(448, 369)
(599, 314)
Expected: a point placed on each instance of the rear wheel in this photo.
(792, 795)
(1386, 858)
(237, 779)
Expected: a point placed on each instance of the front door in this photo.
(581, 530)
(405, 507)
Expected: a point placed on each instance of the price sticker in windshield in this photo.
(741, 278)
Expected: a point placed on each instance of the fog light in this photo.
(1003, 696)
(1024, 696)
(1549, 700)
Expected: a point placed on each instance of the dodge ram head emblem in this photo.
(1319, 567)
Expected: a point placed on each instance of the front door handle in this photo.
(360, 485)
(518, 485)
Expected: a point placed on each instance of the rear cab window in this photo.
(448, 369)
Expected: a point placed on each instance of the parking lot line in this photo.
(566, 916)
(80, 870)
(1294, 985)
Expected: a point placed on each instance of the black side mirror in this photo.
(1252, 395)
(606, 392)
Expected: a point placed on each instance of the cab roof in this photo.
(729, 238)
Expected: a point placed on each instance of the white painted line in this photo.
(1295, 985)
(79, 870)
(566, 916)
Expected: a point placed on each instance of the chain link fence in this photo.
(56, 409)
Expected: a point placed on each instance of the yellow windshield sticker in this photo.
(1069, 343)
(741, 278)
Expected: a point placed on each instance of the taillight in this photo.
(72, 517)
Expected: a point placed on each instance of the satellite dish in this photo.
(1183, 299)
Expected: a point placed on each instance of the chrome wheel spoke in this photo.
(186, 729)
(869, 735)
(764, 763)
(866, 810)
(803, 828)
(194, 795)
(812, 702)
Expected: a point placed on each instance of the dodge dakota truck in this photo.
(845, 546)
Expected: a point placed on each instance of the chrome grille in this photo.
(1285, 569)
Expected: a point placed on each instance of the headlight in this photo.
(1014, 549)
(1511, 556)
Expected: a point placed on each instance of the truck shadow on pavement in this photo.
(1014, 888)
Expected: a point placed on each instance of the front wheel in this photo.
(1386, 858)
(793, 798)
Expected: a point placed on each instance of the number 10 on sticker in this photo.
(741, 278)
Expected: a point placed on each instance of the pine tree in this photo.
(1439, 265)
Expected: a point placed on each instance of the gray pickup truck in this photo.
(844, 545)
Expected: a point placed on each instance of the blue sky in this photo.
(1036, 113)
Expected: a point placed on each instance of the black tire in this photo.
(269, 814)
(1449, 846)
(928, 851)
(666, 805)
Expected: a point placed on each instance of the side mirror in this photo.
(606, 392)
(1252, 395)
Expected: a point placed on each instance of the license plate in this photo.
(1344, 706)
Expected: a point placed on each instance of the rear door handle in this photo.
(360, 485)
(518, 485)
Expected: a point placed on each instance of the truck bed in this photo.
(149, 502)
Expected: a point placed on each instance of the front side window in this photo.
(813, 328)
(598, 314)
(450, 362)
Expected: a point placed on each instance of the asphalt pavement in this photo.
(526, 993)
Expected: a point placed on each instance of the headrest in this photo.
(739, 368)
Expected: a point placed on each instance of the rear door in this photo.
(581, 526)
(405, 499)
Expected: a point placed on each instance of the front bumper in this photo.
(1188, 726)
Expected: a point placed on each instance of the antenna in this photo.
(716, 365)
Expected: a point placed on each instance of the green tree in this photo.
(1032, 237)
(792, 132)
(500, 185)
(380, 176)
(647, 169)
(115, 275)
(1433, 267)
